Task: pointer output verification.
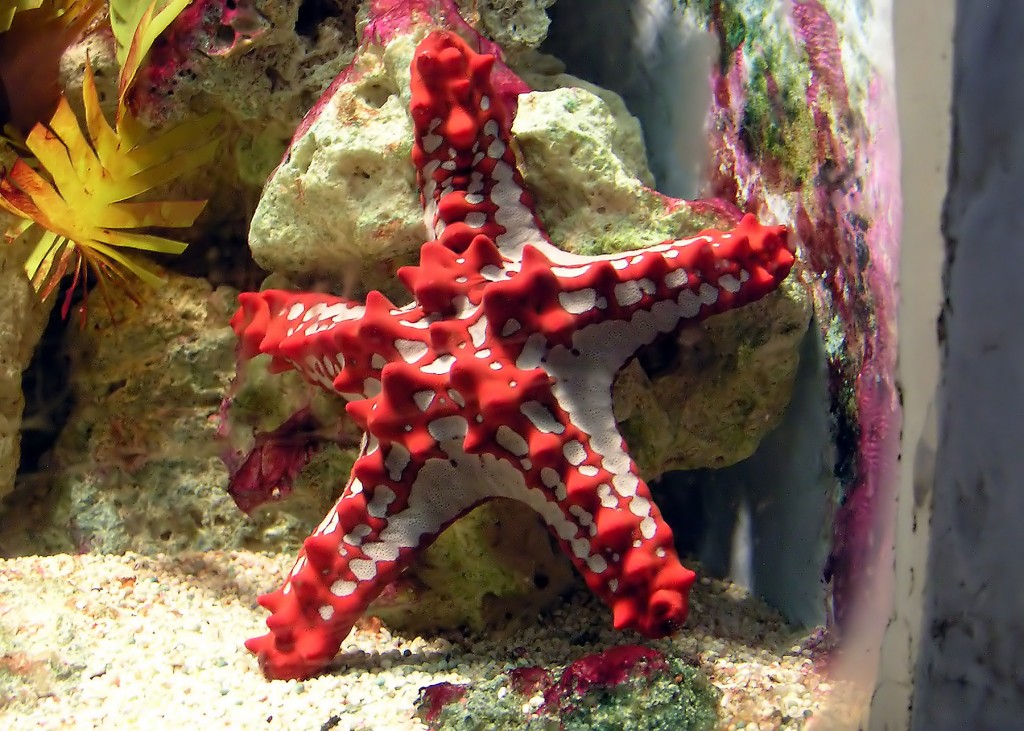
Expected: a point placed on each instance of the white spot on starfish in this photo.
(382, 550)
(597, 564)
(648, 527)
(343, 588)
(411, 350)
(729, 283)
(574, 451)
(511, 440)
(478, 332)
(640, 506)
(628, 293)
(448, 428)
(296, 311)
(541, 417)
(329, 524)
(482, 354)
(476, 219)
(626, 484)
(585, 519)
(313, 311)
(533, 351)
(377, 506)
(496, 149)
(570, 272)
(326, 612)
(576, 302)
(441, 365)
(589, 470)
(689, 303)
(580, 547)
(604, 493)
(362, 569)
(431, 142)
(708, 294)
(423, 399)
(397, 460)
(666, 315)
(357, 534)
(676, 278)
(511, 327)
(491, 272)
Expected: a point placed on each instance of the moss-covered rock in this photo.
(626, 688)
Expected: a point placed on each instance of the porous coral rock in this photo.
(511, 23)
(136, 468)
(21, 325)
(729, 386)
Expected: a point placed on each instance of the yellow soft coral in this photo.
(78, 189)
(80, 194)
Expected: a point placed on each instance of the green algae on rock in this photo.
(623, 687)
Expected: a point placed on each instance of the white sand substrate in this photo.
(136, 642)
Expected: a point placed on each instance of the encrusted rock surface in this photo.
(510, 23)
(137, 465)
(22, 319)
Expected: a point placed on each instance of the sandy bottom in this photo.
(135, 642)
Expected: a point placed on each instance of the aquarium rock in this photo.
(21, 327)
(136, 466)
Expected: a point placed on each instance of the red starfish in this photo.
(495, 382)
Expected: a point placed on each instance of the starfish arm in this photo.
(332, 342)
(644, 293)
(632, 563)
(385, 517)
(463, 151)
(555, 446)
